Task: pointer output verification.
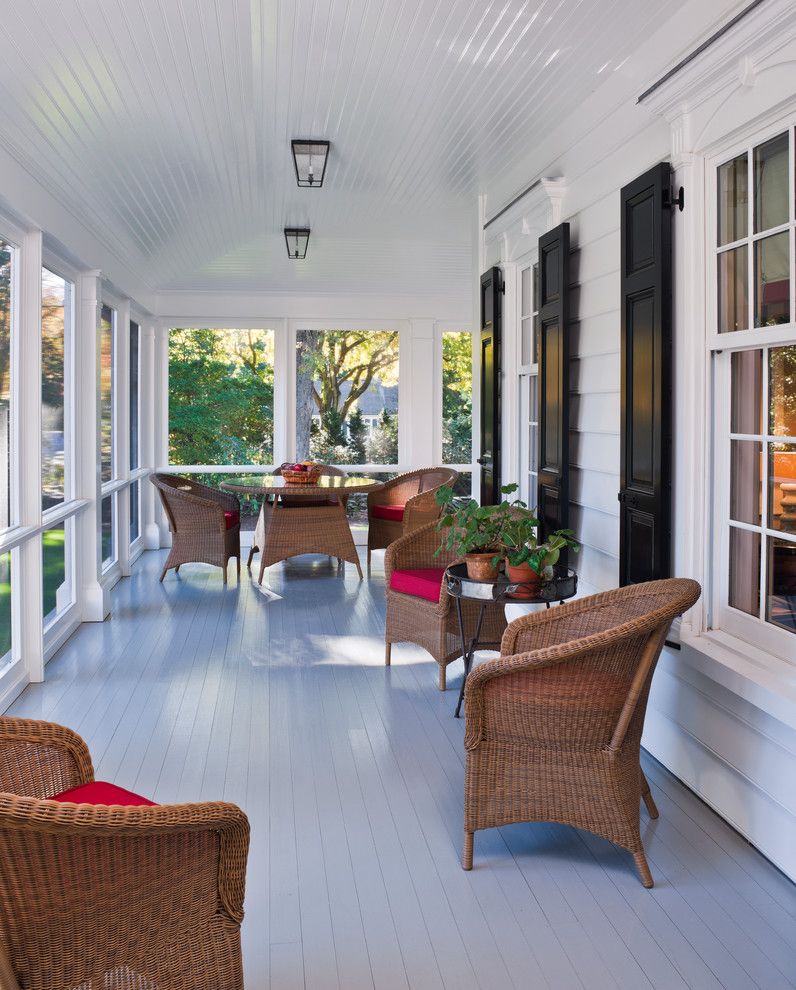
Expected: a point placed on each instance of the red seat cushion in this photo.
(232, 518)
(100, 792)
(423, 583)
(395, 513)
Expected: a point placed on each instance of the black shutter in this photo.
(553, 497)
(491, 287)
(645, 484)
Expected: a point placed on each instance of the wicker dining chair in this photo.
(204, 523)
(111, 897)
(423, 613)
(553, 726)
(405, 503)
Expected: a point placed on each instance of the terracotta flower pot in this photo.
(530, 579)
(480, 566)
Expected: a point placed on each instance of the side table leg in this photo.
(467, 651)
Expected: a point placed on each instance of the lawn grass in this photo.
(53, 561)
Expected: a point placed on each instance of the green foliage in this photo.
(510, 529)
(357, 435)
(383, 446)
(457, 397)
(221, 396)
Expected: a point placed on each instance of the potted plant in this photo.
(529, 563)
(473, 532)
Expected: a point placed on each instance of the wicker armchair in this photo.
(204, 523)
(99, 896)
(553, 726)
(405, 503)
(434, 625)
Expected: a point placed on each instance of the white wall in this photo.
(722, 720)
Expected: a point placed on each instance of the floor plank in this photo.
(352, 773)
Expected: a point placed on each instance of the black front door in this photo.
(645, 483)
(489, 458)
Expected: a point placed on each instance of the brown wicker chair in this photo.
(413, 493)
(204, 523)
(553, 726)
(431, 624)
(100, 896)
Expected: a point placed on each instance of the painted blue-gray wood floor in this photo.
(352, 775)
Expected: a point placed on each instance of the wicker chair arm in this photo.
(191, 511)
(135, 822)
(41, 758)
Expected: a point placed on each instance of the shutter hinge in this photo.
(672, 201)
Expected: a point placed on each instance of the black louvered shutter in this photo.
(646, 440)
(489, 458)
(553, 496)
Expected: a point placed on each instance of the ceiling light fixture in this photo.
(297, 239)
(310, 157)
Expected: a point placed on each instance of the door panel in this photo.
(553, 494)
(489, 459)
(646, 389)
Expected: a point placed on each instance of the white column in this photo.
(161, 413)
(94, 603)
(27, 417)
(122, 428)
(419, 425)
(148, 392)
(284, 391)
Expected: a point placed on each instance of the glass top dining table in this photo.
(274, 484)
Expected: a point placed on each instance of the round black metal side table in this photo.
(501, 591)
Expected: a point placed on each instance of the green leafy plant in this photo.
(510, 529)
(470, 527)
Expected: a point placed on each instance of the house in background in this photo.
(576, 223)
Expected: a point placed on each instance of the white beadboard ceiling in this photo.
(165, 125)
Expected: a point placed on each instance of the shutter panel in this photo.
(553, 496)
(645, 484)
(491, 287)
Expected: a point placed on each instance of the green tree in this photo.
(357, 437)
(457, 397)
(383, 445)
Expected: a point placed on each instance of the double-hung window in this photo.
(753, 341)
(108, 467)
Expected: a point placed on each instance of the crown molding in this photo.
(732, 60)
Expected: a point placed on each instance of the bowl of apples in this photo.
(301, 473)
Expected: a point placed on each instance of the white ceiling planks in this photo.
(166, 125)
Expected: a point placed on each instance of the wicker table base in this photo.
(289, 530)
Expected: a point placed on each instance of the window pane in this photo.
(5, 607)
(221, 396)
(106, 391)
(733, 290)
(526, 341)
(782, 391)
(772, 281)
(525, 302)
(782, 486)
(347, 396)
(56, 312)
(135, 335)
(56, 582)
(108, 530)
(771, 183)
(744, 592)
(746, 414)
(457, 397)
(781, 604)
(745, 481)
(733, 196)
(135, 511)
(6, 310)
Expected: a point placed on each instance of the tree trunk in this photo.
(306, 343)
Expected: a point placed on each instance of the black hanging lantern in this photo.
(310, 159)
(297, 239)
